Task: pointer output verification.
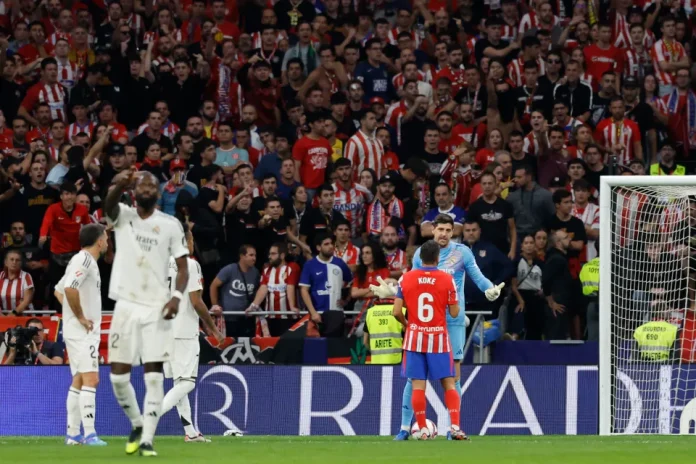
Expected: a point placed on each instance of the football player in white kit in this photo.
(141, 328)
(183, 365)
(79, 291)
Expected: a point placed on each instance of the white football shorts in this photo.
(184, 363)
(139, 333)
(83, 355)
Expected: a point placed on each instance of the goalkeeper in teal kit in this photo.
(455, 259)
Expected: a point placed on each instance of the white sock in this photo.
(181, 389)
(72, 405)
(125, 395)
(184, 409)
(154, 393)
(88, 410)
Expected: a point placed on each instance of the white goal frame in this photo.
(605, 239)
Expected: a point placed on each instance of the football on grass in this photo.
(432, 428)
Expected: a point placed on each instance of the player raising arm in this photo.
(141, 327)
(428, 293)
(183, 366)
(457, 260)
(79, 292)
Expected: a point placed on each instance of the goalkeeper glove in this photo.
(383, 290)
(493, 293)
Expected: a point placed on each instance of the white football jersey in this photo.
(143, 249)
(83, 275)
(185, 324)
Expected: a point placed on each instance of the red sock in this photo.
(452, 401)
(418, 404)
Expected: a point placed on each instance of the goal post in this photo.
(647, 238)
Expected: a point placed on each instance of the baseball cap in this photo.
(177, 163)
(376, 101)
(386, 178)
(630, 82)
(115, 149)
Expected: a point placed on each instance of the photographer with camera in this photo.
(27, 346)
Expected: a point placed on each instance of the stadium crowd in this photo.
(288, 133)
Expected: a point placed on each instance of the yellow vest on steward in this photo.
(655, 339)
(386, 336)
(589, 276)
(656, 170)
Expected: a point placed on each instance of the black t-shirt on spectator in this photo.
(643, 115)
(493, 219)
(573, 227)
(403, 190)
(528, 160)
(435, 162)
(599, 109)
(37, 202)
(314, 222)
(593, 177)
(483, 44)
(195, 176)
(142, 141)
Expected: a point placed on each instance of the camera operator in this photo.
(36, 351)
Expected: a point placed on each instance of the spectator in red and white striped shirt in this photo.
(350, 198)
(16, 286)
(279, 289)
(397, 261)
(168, 129)
(364, 150)
(668, 55)
(47, 90)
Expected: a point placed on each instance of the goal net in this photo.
(647, 276)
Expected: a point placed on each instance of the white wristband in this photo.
(178, 295)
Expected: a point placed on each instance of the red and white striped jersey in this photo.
(623, 39)
(169, 129)
(350, 254)
(394, 34)
(256, 38)
(396, 261)
(588, 79)
(399, 79)
(53, 38)
(471, 46)
(635, 62)
(364, 151)
(52, 94)
(277, 279)
(531, 144)
(508, 32)
(54, 152)
(12, 290)
(589, 215)
(516, 70)
(68, 74)
(135, 21)
(629, 211)
(609, 133)
(75, 128)
(153, 36)
(351, 204)
(427, 294)
(531, 21)
(397, 109)
(669, 52)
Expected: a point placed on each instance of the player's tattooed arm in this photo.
(121, 182)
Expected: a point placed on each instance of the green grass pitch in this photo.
(367, 450)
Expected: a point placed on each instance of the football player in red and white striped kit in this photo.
(363, 149)
(279, 289)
